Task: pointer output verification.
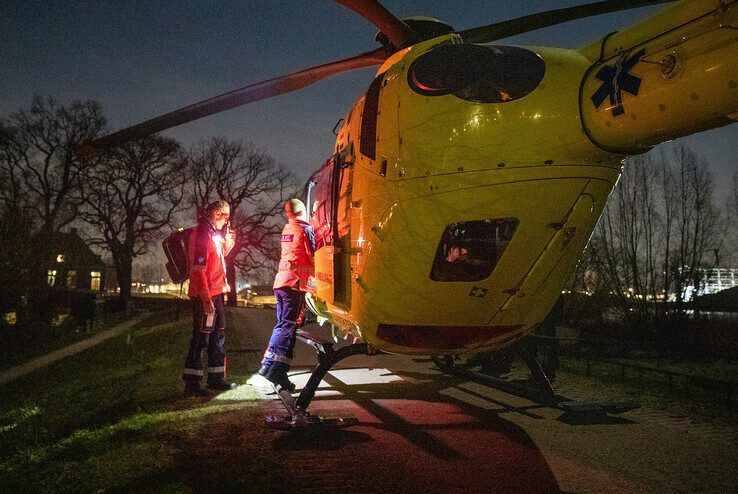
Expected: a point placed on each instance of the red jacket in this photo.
(206, 263)
(296, 264)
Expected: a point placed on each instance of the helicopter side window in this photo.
(320, 201)
(482, 74)
(469, 251)
(368, 141)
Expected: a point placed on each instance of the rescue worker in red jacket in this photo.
(296, 267)
(208, 245)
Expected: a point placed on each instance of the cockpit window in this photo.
(469, 251)
(483, 74)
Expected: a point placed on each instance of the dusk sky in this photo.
(142, 59)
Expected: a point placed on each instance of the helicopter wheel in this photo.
(444, 363)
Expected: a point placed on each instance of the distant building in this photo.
(256, 296)
(719, 279)
(164, 288)
(75, 266)
(712, 281)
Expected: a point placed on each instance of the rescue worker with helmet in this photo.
(296, 267)
(209, 243)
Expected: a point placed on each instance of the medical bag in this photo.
(175, 248)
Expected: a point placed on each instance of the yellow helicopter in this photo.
(467, 180)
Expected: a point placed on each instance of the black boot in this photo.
(194, 389)
(221, 384)
(276, 374)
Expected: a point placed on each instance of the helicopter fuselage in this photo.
(451, 218)
(460, 231)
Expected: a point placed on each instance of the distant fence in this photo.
(726, 387)
(719, 342)
(723, 386)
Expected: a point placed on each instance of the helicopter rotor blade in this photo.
(504, 29)
(398, 33)
(232, 99)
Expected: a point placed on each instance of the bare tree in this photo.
(16, 230)
(11, 194)
(42, 150)
(41, 173)
(255, 187)
(731, 207)
(627, 239)
(696, 226)
(128, 196)
(659, 231)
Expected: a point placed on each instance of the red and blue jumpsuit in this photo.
(207, 273)
(296, 267)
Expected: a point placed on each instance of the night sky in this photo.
(142, 59)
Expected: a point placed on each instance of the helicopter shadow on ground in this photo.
(574, 411)
(319, 437)
(410, 430)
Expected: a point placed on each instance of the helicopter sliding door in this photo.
(327, 200)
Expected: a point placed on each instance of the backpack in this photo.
(176, 248)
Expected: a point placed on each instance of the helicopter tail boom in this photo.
(669, 76)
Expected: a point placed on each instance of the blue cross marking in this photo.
(478, 292)
(616, 79)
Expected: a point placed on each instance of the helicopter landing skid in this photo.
(542, 392)
(297, 407)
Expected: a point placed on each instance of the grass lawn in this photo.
(19, 347)
(113, 418)
(651, 389)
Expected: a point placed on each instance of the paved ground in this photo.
(422, 431)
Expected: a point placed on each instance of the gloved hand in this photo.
(310, 285)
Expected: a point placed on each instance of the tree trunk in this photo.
(231, 277)
(123, 269)
(41, 302)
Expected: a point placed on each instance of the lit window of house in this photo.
(95, 280)
(60, 258)
(71, 278)
(51, 277)
(11, 318)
